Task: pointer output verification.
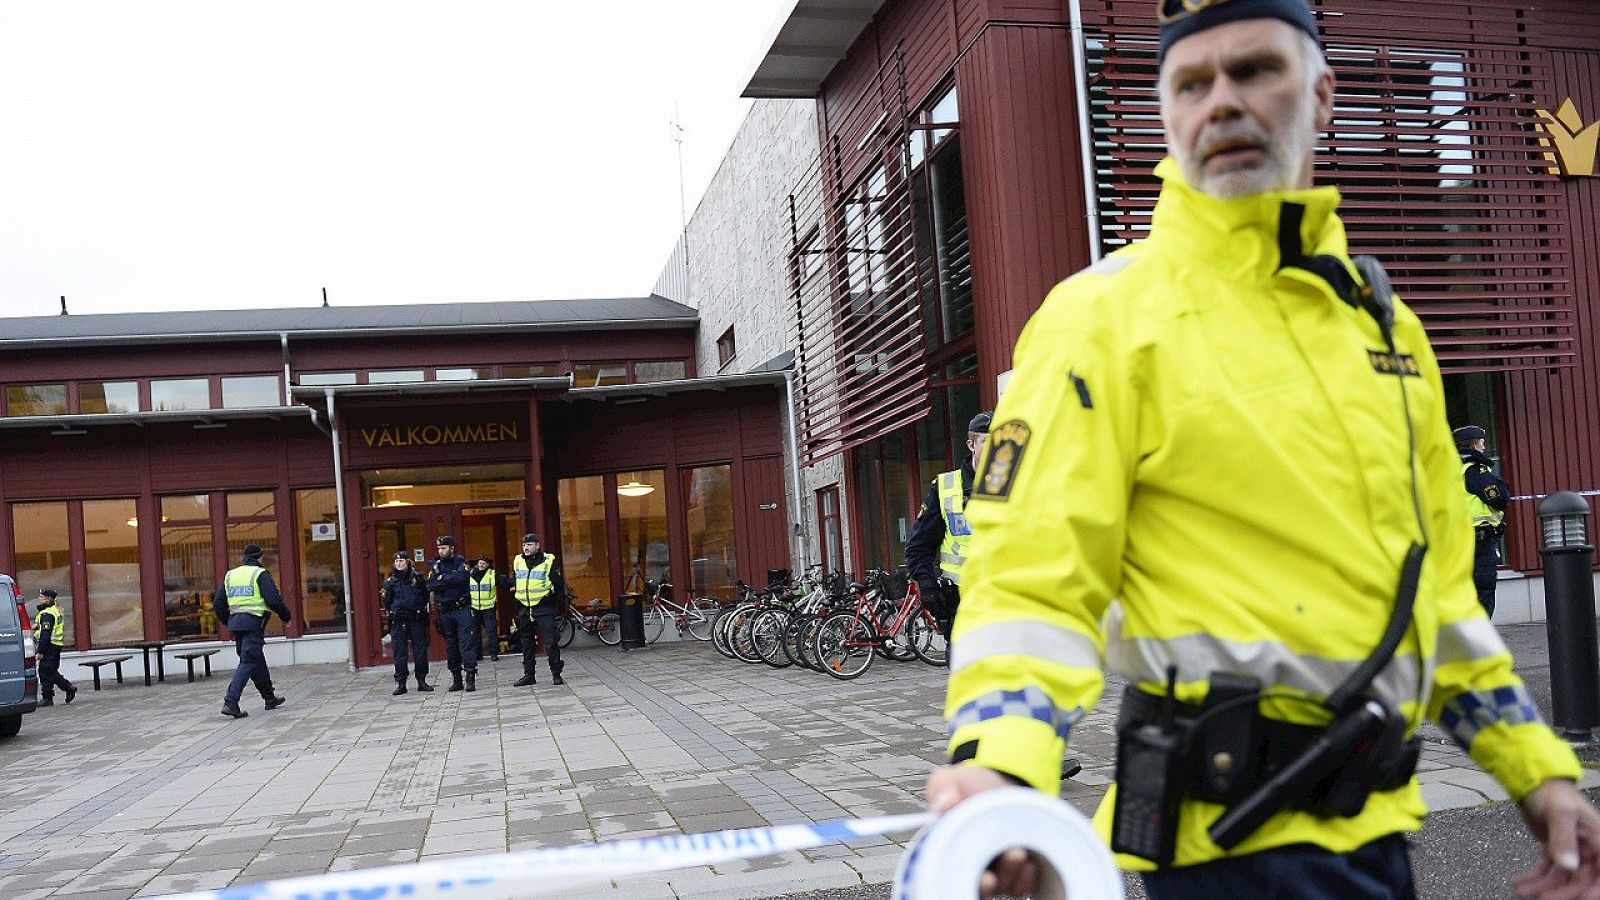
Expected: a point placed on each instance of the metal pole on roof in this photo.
(683, 204)
(344, 531)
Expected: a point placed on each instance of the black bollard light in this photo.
(1570, 614)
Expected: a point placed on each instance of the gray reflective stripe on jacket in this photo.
(1052, 643)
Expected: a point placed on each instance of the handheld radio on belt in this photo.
(1155, 759)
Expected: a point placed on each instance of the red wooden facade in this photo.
(1500, 263)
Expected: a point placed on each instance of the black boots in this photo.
(525, 680)
(231, 709)
(423, 685)
(276, 701)
(455, 681)
(399, 688)
(472, 682)
(71, 692)
(558, 679)
(47, 701)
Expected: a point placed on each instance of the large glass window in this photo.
(180, 393)
(830, 529)
(188, 574)
(541, 370)
(394, 376)
(585, 554)
(323, 379)
(252, 519)
(36, 400)
(442, 484)
(462, 374)
(321, 568)
(599, 374)
(670, 370)
(111, 566)
(44, 555)
(642, 525)
(250, 390)
(869, 493)
(708, 508)
(108, 396)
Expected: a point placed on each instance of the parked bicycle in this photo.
(847, 641)
(693, 617)
(598, 620)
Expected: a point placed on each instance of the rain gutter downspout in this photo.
(283, 341)
(794, 456)
(1080, 79)
(344, 531)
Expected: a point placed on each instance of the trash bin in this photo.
(630, 613)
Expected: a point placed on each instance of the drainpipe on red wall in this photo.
(798, 510)
(1080, 78)
(344, 532)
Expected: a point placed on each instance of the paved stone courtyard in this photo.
(137, 791)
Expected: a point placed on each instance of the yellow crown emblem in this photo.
(1574, 145)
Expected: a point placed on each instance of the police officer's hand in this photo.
(1568, 826)
(1013, 872)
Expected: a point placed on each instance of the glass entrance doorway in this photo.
(614, 534)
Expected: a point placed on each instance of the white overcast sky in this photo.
(196, 154)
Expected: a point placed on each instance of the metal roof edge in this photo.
(562, 382)
(68, 424)
(677, 386)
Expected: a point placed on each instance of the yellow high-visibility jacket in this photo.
(1201, 459)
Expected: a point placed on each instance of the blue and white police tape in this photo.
(947, 857)
(945, 853)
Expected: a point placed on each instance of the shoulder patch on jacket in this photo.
(1007, 443)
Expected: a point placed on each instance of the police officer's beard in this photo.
(1284, 153)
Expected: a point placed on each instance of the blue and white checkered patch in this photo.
(1030, 702)
(1469, 712)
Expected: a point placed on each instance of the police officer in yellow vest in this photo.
(539, 588)
(937, 545)
(244, 601)
(483, 588)
(49, 631)
(1487, 497)
(1221, 469)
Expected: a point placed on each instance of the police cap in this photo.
(446, 540)
(980, 423)
(46, 592)
(401, 554)
(1181, 18)
(530, 538)
(251, 551)
(1466, 434)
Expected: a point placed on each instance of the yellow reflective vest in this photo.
(533, 582)
(1480, 512)
(957, 533)
(58, 626)
(242, 584)
(481, 590)
(1201, 460)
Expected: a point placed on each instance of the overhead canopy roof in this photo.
(200, 418)
(808, 44)
(327, 321)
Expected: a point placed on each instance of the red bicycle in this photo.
(847, 640)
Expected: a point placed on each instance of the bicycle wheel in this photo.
(655, 621)
(845, 645)
(719, 632)
(927, 641)
(564, 631)
(790, 645)
(766, 632)
(608, 628)
(740, 637)
(699, 618)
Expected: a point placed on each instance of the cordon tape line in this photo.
(946, 852)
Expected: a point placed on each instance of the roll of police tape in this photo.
(945, 854)
(947, 857)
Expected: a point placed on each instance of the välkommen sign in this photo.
(389, 435)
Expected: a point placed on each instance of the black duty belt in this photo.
(1252, 748)
(405, 616)
(448, 605)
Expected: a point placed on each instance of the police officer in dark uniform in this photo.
(538, 586)
(450, 584)
(404, 597)
(934, 548)
(243, 601)
(49, 631)
(1487, 497)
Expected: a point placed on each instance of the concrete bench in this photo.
(202, 655)
(95, 664)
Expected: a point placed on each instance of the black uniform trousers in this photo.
(251, 646)
(1485, 562)
(50, 672)
(1380, 870)
(460, 633)
(544, 622)
(488, 632)
(408, 636)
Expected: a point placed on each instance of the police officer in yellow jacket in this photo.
(244, 600)
(936, 546)
(1487, 498)
(1221, 469)
(49, 635)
